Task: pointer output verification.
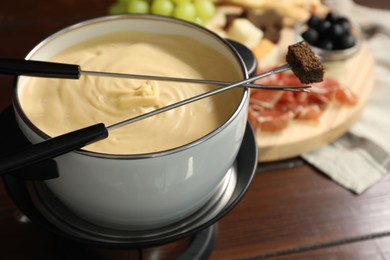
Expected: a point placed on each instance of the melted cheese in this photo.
(57, 106)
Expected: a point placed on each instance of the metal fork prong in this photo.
(277, 87)
(297, 90)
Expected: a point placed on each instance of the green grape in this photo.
(176, 2)
(162, 7)
(117, 8)
(125, 2)
(138, 6)
(199, 21)
(185, 11)
(205, 9)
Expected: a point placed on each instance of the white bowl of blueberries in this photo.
(332, 37)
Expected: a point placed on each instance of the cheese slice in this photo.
(245, 32)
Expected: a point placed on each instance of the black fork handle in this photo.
(52, 148)
(39, 68)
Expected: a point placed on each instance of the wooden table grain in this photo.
(295, 213)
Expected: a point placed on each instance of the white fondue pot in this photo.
(146, 191)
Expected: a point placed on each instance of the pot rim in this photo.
(103, 19)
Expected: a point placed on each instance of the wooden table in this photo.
(295, 213)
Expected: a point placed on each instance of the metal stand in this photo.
(200, 248)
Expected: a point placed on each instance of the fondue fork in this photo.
(73, 71)
(62, 144)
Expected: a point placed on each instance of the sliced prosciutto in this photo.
(272, 110)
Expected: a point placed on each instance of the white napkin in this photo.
(361, 158)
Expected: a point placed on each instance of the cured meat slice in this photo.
(271, 110)
(346, 96)
(266, 98)
(270, 120)
(310, 112)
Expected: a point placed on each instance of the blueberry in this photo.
(325, 44)
(310, 35)
(346, 41)
(323, 27)
(313, 21)
(345, 23)
(331, 17)
(336, 31)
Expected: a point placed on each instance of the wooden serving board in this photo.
(301, 136)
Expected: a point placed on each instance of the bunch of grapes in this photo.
(196, 11)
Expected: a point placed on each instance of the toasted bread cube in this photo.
(304, 63)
